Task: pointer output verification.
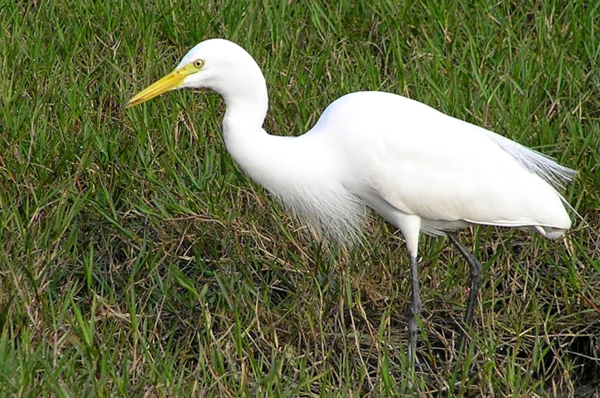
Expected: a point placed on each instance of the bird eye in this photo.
(198, 63)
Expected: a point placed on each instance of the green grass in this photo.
(137, 260)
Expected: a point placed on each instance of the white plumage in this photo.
(420, 169)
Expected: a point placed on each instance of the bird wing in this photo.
(425, 163)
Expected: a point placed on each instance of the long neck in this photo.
(256, 152)
(269, 160)
(246, 104)
(303, 172)
(245, 93)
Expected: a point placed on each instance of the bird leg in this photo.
(476, 279)
(413, 310)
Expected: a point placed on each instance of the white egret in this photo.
(421, 170)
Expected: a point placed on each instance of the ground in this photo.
(137, 260)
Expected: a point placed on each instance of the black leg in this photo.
(413, 310)
(476, 278)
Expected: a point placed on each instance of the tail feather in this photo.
(536, 162)
(549, 232)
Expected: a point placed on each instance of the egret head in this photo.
(216, 64)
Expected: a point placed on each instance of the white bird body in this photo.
(417, 161)
(404, 159)
(420, 169)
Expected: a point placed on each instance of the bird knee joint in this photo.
(413, 309)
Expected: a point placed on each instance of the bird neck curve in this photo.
(244, 91)
(245, 112)
(246, 101)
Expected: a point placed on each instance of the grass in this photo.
(137, 260)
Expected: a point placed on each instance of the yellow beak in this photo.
(170, 82)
